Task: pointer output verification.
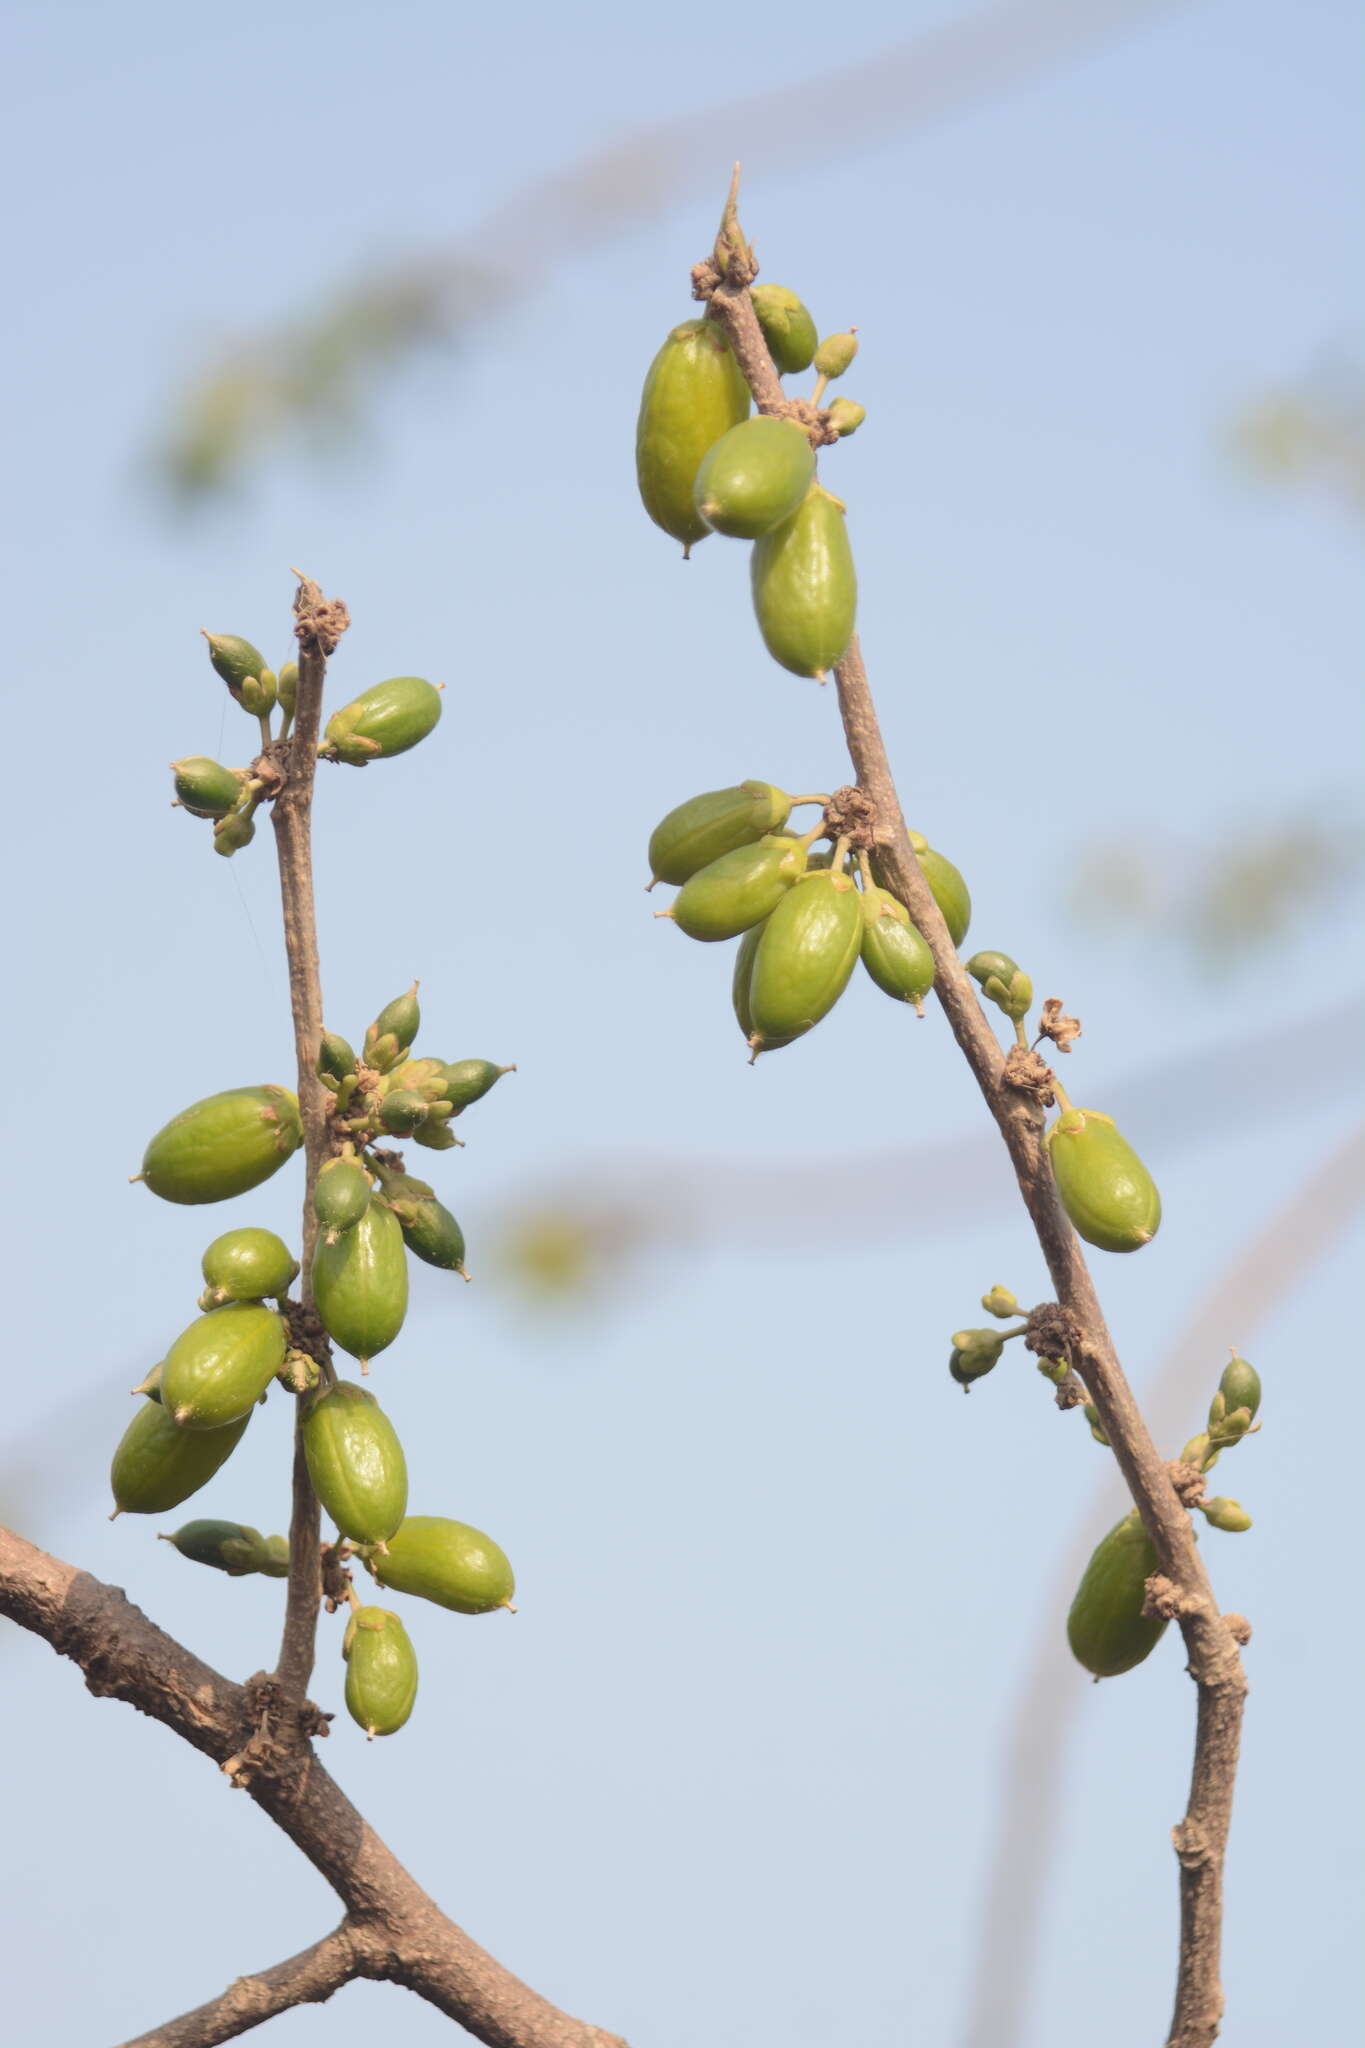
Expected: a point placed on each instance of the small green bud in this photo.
(234, 832)
(1241, 1385)
(299, 1372)
(1237, 1423)
(1000, 1302)
(275, 1558)
(205, 788)
(845, 417)
(835, 353)
(382, 1053)
(1054, 1369)
(975, 1353)
(287, 690)
(236, 660)
(1198, 1452)
(400, 1021)
(787, 327)
(1227, 1514)
(1002, 981)
(257, 693)
(436, 1137)
(402, 1112)
(1218, 1408)
(334, 1057)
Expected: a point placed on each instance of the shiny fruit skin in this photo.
(1106, 1190)
(893, 952)
(1106, 1628)
(387, 719)
(360, 1284)
(445, 1562)
(381, 1671)
(355, 1462)
(224, 1145)
(217, 1369)
(694, 392)
(754, 477)
(787, 327)
(740, 889)
(807, 952)
(156, 1465)
(716, 822)
(743, 976)
(805, 588)
(248, 1265)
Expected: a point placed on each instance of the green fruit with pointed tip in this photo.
(445, 1562)
(387, 719)
(946, 886)
(204, 787)
(1105, 1188)
(340, 1197)
(151, 1386)
(807, 952)
(381, 1671)
(754, 477)
(360, 1284)
(1003, 982)
(787, 328)
(248, 1265)
(466, 1081)
(228, 1547)
(743, 976)
(740, 889)
(974, 1354)
(355, 1462)
(433, 1233)
(156, 1465)
(805, 588)
(335, 1057)
(1106, 1628)
(893, 952)
(835, 353)
(845, 416)
(217, 1369)
(1240, 1385)
(701, 830)
(224, 1145)
(400, 1019)
(402, 1112)
(235, 659)
(694, 392)
(437, 1137)
(234, 832)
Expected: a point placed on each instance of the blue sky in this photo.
(730, 1776)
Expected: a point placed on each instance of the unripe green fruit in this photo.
(437, 1137)
(694, 392)
(787, 327)
(381, 1671)
(234, 832)
(1003, 982)
(893, 952)
(754, 477)
(1229, 1515)
(946, 886)
(228, 1547)
(355, 1462)
(1105, 1188)
(360, 1284)
(400, 1019)
(156, 1465)
(743, 976)
(151, 1386)
(335, 1057)
(385, 720)
(428, 1228)
(402, 1112)
(217, 1369)
(205, 787)
(701, 830)
(1240, 1385)
(740, 889)
(846, 417)
(974, 1354)
(835, 353)
(340, 1197)
(235, 659)
(1000, 1302)
(804, 958)
(257, 693)
(466, 1081)
(224, 1145)
(805, 588)
(445, 1562)
(287, 687)
(1106, 1628)
(248, 1265)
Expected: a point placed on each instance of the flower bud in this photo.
(234, 832)
(835, 353)
(845, 417)
(286, 695)
(1000, 1302)
(1227, 1514)
(974, 1354)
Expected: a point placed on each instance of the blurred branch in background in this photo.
(1310, 433)
(1263, 1277)
(308, 376)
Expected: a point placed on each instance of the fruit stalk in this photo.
(1214, 1662)
(319, 625)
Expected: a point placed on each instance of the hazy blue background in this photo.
(729, 1776)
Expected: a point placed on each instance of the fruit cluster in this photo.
(704, 466)
(386, 719)
(804, 919)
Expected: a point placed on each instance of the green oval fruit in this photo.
(845, 416)
(205, 787)
(701, 830)
(355, 1462)
(1106, 1628)
(1240, 1385)
(754, 477)
(156, 1465)
(401, 1019)
(466, 1081)
(228, 1547)
(433, 1234)
(381, 1671)
(360, 1284)
(835, 353)
(446, 1562)
(804, 958)
(248, 1265)
(893, 952)
(341, 1196)
(223, 1145)
(235, 659)
(402, 1112)
(743, 976)
(385, 720)
(740, 889)
(217, 1369)
(946, 886)
(694, 392)
(1105, 1188)
(335, 1058)
(234, 832)
(287, 686)
(805, 588)
(787, 328)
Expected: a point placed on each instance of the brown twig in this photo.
(308, 1978)
(398, 1932)
(1213, 1659)
(319, 625)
